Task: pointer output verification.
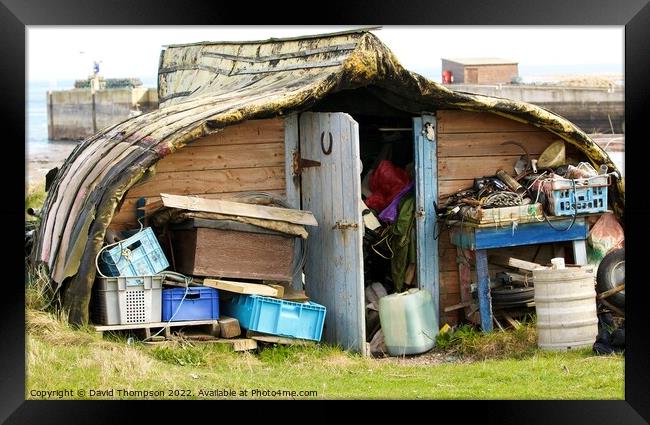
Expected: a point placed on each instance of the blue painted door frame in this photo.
(426, 193)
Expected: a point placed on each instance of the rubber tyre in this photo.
(604, 277)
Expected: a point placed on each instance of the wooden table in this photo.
(480, 238)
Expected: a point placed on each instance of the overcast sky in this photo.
(67, 53)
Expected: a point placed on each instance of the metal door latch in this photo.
(344, 225)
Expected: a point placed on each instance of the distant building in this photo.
(479, 70)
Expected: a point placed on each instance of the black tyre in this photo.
(611, 273)
(512, 297)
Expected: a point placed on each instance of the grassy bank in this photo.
(60, 358)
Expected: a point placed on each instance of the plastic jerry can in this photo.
(408, 322)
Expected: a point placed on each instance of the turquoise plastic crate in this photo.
(276, 317)
(139, 255)
(577, 196)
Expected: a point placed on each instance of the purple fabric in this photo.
(389, 214)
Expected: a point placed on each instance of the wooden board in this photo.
(291, 294)
(241, 287)
(520, 214)
(274, 339)
(468, 168)
(200, 158)
(450, 121)
(226, 253)
(448, 187)
(211, 181)
(246, 133)
(126, 214)
(104, 328)
(514, 262)
(490, 144)
(481, 238)
(239, 209)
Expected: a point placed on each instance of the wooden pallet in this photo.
(212, 327)
(274, 339)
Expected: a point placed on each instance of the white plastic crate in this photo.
(124, 300)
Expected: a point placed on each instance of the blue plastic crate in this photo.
(276, 317)
(139, 255)
(578, 196)
(199, 304)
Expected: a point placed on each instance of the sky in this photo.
(67, 53)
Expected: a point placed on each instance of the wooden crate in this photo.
(505, 215)
(202, 251)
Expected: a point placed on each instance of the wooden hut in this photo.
(244, 116)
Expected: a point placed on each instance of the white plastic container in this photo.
(126, 300)
(408, 322)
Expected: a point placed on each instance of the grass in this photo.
(503, 365)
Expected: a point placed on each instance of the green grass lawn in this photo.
(59, 358)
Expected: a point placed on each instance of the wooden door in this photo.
(331, 191)
(426, 193)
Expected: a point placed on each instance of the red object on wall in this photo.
(447, 77)
(385, 182)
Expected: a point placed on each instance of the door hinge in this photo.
(344, 225)
(298, 163)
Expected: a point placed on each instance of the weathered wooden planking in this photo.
(426, 194)
(450, 121)
(449, 281)
(291, 147)
(514, 262)
(521, 214)
(484, 296)
(447, 260)
(211, 181)
(199, 158)
(238, 209)
(104, 328)
(448, 187)
(274, 339)
(247, 288)
(248, 132)
(464, 168)
(490, 144)
(224, 253)
(333, 268)
(127, 212)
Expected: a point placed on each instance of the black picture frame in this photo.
(15, 15)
